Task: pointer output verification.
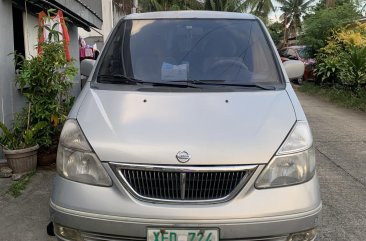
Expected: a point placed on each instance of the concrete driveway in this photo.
(340, 140)
(25, 218)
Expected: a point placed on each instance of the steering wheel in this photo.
(225, 64)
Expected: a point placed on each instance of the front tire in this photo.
(300, 81)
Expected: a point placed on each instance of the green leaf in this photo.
(8, 135)
(51, 10)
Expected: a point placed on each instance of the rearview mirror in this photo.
(294, 69)
(86, 66)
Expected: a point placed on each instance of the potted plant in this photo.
(46, 80)
(20, 147)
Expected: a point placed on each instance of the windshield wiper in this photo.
(263, 87)
(193, 81)
(172, 84)
(111, 79)
(221, 83)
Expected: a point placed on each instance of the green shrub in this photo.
(342, 97)
(319, 25)
(342, 61)
(276, 31)
(46, 81)
(20, 138)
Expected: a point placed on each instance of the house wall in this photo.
(11, 100)
(107, 13)
(74, 51)
(112, 13)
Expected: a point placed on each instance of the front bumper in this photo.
(111, 213)
(118, 228)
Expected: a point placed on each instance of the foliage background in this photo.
(319, 25)
(342, 62)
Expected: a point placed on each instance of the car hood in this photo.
(223, 128)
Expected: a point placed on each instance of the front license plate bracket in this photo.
(171, 234)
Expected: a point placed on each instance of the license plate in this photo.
(163, 234)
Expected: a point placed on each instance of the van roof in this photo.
(190, 14)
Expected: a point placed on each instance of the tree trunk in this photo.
(330, 3)
(285, 31)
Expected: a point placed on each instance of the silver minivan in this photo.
(187, 130)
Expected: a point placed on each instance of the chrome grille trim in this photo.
(87, 236)
(183, 184)
(277, 238)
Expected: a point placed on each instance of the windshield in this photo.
(305, 52)
(169, 50)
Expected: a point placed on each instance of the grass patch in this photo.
(18, 186)
(341, 97)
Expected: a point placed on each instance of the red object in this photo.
(299, 53)
(59, 17)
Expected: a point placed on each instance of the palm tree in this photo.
(293, 10)
(225, 5)
(260, 8)
(166, 5)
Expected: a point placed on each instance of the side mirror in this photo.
(294, 69)
(86, 66)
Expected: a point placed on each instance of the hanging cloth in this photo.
(61, 27)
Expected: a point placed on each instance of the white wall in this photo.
(10, 99)
(30, 35)
(110, 18)
(107, 11)
(74, 51)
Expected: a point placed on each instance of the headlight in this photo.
(294, 162)
(76, 160)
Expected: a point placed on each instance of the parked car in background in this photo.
(188, 129)
(303, 54)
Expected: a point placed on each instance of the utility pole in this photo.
(135, 5)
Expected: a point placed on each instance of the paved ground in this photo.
(25, 218)
(340, 140)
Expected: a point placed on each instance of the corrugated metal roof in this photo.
(89, 11)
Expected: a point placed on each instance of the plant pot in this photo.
(22, 160)
(47, 157)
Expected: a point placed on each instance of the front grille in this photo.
(183, 184)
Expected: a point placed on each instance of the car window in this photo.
(191, 49)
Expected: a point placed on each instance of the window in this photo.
(18, 32)
(233, 51)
